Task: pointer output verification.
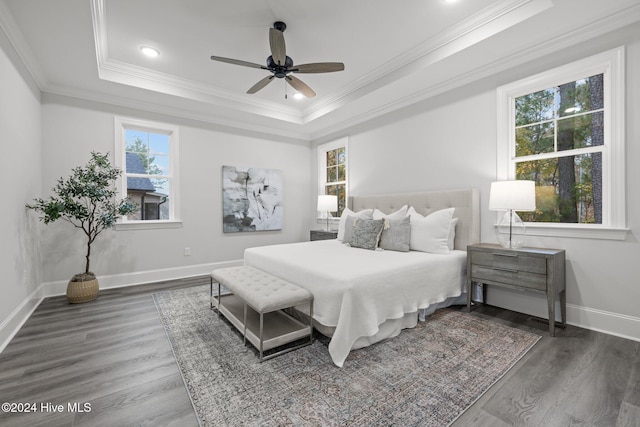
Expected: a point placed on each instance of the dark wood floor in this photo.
(113, 354)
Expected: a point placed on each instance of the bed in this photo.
(364, 296)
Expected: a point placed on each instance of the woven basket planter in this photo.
(78, 292)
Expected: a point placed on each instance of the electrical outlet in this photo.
(187, 251)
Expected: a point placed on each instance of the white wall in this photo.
(20, 177)
(449, 142)
(72, 128)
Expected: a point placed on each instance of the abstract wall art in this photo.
(252, 199)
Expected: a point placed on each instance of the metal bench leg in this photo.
(261, 329)
(311, 321)
(244, 332)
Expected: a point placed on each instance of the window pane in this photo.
(158, 165)
(331, 158)
(158, 143)
(534, 139)
(340, 191)
(342, 198)
(137, 141)
(581, 131)
(568, 189)
(582, 96)
(148, 154)
(342, 172)
(332, 174)
(342, 155)
(535, 107)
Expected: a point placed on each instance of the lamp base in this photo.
(511, 232)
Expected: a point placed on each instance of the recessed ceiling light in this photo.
(298, 95)
(450, 1)
(149, 51)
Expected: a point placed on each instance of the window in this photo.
(148, 155)
(564, 129)
(333, 173)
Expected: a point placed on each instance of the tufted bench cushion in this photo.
(262, 291)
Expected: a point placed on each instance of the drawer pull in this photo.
(509, 270)
(507, 255)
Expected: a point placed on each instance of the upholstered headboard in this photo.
(466, 202)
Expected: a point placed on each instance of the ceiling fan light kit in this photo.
(282, 66)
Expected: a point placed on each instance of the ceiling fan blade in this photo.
(318, 67)
(300, 86)
(238, 62)
(262, 83)
(278, 48)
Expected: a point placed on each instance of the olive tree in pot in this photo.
(87, 199)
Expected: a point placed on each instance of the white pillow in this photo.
(430, 233)
(399, 214)
(365, 214)
(452, 233)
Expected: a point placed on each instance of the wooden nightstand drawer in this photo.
(322, 235)
(510, 261)
(498, 275)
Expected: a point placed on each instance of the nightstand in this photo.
(323, 235)
(524, 269)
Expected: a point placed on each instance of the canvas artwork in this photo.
(252, 199)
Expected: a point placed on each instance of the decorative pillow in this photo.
(366, 213)
(430, 233)
(366, 233)
(348, 228)
(452, 233)
(396, 235)
(399, 214)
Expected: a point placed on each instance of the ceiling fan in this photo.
(281, 65)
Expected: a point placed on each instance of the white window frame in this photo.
(322, 168)
(121, 124)
(611, 65)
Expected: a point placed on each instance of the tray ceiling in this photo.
(393, 55)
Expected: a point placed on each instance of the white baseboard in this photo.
(10, 326)
(607, 322)
(142, 277)
(620, 325)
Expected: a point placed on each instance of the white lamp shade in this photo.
(513, 195)
(328, 203)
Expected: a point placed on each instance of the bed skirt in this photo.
(388, 329)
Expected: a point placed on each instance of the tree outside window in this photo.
(559, 143)
(336, 173)
(333, 171)
(148, 152)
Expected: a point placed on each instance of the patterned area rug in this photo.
(426, 376)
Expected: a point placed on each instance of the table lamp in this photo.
(512, 196)
(327, 203)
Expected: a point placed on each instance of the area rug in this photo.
(426, 376)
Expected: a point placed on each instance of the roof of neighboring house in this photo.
(134, 165)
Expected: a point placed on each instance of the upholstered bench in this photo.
(255, 306)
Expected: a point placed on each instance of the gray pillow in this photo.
(366, 233)
(397, 235)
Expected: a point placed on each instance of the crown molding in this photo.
(229, 125)
(588, 32)
(20, 46)
(127, 74)
(296, 122)
(476, 28)
(487, 22)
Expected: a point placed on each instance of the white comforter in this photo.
(356, 290)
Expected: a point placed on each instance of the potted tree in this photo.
(87, 199)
